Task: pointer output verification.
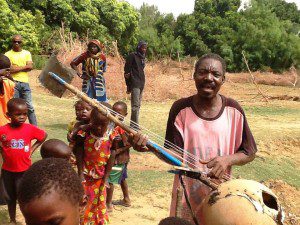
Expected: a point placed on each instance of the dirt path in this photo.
(150, 208)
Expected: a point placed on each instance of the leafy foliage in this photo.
(159, 31)
(102, 19)
(264, 31)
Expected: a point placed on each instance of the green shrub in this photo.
(39, 61)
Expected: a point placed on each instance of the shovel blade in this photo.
(66, 73)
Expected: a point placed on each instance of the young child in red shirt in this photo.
(16, 149)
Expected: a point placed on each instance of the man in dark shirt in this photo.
(135, 80)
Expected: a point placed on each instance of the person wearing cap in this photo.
(93, 67)
(21, 64)
(135, 80)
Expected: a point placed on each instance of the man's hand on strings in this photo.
(219, 166)
(138, 141)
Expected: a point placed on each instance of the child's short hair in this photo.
(48, 175)
(54, 148)
(174, 221)
(11, 104)
(78, 102)
(4, 62)
(122, 104)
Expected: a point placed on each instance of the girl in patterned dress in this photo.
(98, 161)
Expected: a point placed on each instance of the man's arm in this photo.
(28, 67)
(220, 164)
(128, 66)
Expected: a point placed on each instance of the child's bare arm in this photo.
(126, 144)
(83, 127)
(123, 149)
(72, 135)
(109, 166)
(37, 144)
(78, 151)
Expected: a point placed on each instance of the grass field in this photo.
(276, 128)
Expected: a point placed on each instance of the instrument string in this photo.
(171, 148)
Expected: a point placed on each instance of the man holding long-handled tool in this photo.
(211, 128)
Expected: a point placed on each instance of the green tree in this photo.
(192, 42)
(265, 39)
(20, 22)
(120, 19)
(213, 19)
(106, 20)
(282, 9)
(149, 14)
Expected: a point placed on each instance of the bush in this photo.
(39, 61)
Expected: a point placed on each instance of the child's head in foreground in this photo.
(174, 221)
(54, 148)
(99, 122)
(51, 192)
(4, 65)
(121, 108)
(83, 111)
(17, 111)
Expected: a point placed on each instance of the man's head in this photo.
(17, 111)
(54, 148)
(17, 43)
(142, 47)
(174, 221)
(209, 75)
(121, 108)
(51, 192)
(99, 122)
(94, 46)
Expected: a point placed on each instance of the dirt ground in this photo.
(146, 209)
(172, 80)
